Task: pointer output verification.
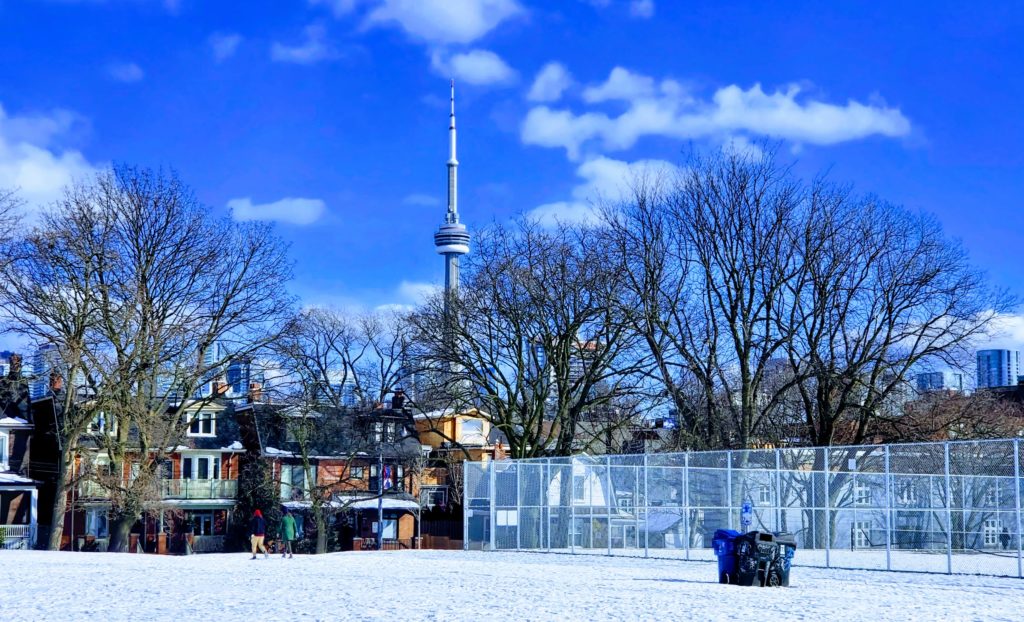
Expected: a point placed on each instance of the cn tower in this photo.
(452, 238)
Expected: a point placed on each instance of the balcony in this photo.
(174, 489)
(198, 488)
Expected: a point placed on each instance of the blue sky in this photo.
(329, 116)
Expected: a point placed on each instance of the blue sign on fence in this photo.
(747, 514)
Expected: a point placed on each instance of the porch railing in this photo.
(18, 536)
(199, 488)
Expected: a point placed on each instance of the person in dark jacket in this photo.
(287, 533)
(258, 531)
(1004, 538)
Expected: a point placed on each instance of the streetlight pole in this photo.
(380, 499)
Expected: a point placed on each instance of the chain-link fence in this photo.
(930, 507)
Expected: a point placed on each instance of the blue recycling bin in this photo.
(724, 545)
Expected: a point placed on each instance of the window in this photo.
(293, 482)
(861, 493)
(579, 487)
(862, 534)
(991, 531)
(202, 424)
(200, 467)
(764, 495)
(357, 472)
(906, 493)
(3, 451)
(472, 431)
(96, 523)
(103, 423)
(626, 503)
(434, 496)
(378, 432)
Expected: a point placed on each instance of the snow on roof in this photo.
(13, 478)
(450, 412)
(13, 421)
(358, 503)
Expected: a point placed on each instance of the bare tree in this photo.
(152, 298)
(533, 338)
(333, 368)
(881, 293)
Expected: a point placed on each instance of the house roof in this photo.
(333, 432)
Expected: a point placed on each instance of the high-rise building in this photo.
(998, 368)
(940, 381)
(45, 361)
(452, 237)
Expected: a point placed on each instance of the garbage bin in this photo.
(764, 558)
(787, 549)
(724, 545)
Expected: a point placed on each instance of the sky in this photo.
(330, 116)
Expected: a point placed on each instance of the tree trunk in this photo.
(60, 499)
(120, 529)
(321, 530)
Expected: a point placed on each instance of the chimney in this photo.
(219, 388)
(56, 382)
(15, 370)
(398, 399)
(255, 392)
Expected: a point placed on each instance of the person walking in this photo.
(258, 531)
(287, 533)
(1004, 538)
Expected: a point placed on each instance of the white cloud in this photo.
(1007, 331)
(604, 179)
(444, 21)
(621, 85)
(33, 160)
(643, 9)
(338, 7)
(289, 210)
(417, 293)
(422, 200)
(313, 49)
(667, 109)
(474, 67)
(551, 81)
(125, 72)
(224, 45)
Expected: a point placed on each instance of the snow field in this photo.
(456, 585)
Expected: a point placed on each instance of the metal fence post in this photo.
(828, 512)
(778, 490)
(728, 486)
(608, 500)
(519, 504)
(686, 501)
(1016, 489)
(888, 512)
(547, 504)
(949, 511)
(493, 520)
(465, 502)
(572, 506)
(647, 511)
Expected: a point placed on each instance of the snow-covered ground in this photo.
(455, 585)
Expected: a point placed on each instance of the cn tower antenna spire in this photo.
(453, 165)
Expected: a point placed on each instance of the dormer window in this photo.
(103, 423)
(202, 424)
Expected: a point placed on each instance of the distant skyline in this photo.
(330, 117)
